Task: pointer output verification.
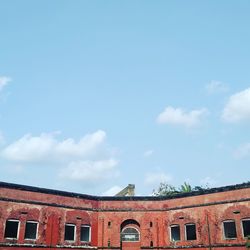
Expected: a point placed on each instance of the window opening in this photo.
(109, 224)
(69, 233)
(130, 234)
(85, 233)
(30, 230)
(151, 224)
(246, 227)
(175, 233)
(11, 229)
(190, 232)
(151, 243)
(230, 229)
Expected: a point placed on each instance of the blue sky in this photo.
(98, 94)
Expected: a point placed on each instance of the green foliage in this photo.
(165, 189)
(248, 242)
(185, 188)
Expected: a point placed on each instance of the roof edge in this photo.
(123, 198)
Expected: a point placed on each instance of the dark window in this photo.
(246, 227)
(229, 229)
(85, 233)
(151, 223)
(69, 232)
(11, 229)
(30, 230)
(130, 234)
(175, 233)
(190, 232)
(151, 244)
(109, 224)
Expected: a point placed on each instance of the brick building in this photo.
(32, 217)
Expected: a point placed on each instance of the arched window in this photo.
(130, 234)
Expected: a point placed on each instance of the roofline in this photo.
(122, 198)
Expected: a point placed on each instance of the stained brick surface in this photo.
(154, 216)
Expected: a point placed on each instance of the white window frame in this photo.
(224, 236)
(130, 240)
(71, 225)
(245, 219)
(171, 226)
(18, 229)
(89, 233)
(190, 224)
(37, 225)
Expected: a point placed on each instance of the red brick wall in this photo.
(154, 217)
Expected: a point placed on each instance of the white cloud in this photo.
(242, 151)
(90, 171)
(88, 159)
(112, 191)
(177, 116)
(155, 178)
(4, 80)
(216, 87)
(237, 109)
(46, 147)
(148, 153)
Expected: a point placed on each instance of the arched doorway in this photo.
(130, 235)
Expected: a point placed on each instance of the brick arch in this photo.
(129, 222)
(25, 212)
(180, 218)
(134, 231)
(235, 211)
(75, 215)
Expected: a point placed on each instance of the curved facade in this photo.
(33, 217)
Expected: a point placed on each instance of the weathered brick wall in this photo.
(51, 211)
(105, 216)
(207, 212)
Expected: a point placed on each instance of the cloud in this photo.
(177, 116)
(242, 151)
(148, 153)
(237, 109)
(90, 171)
(88, 159)
(112, 191)
(4, 80)
(216, 87)
(156, 178)
(46, 147)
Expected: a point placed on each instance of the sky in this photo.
(95, 95)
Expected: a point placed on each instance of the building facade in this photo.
(32, 217)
